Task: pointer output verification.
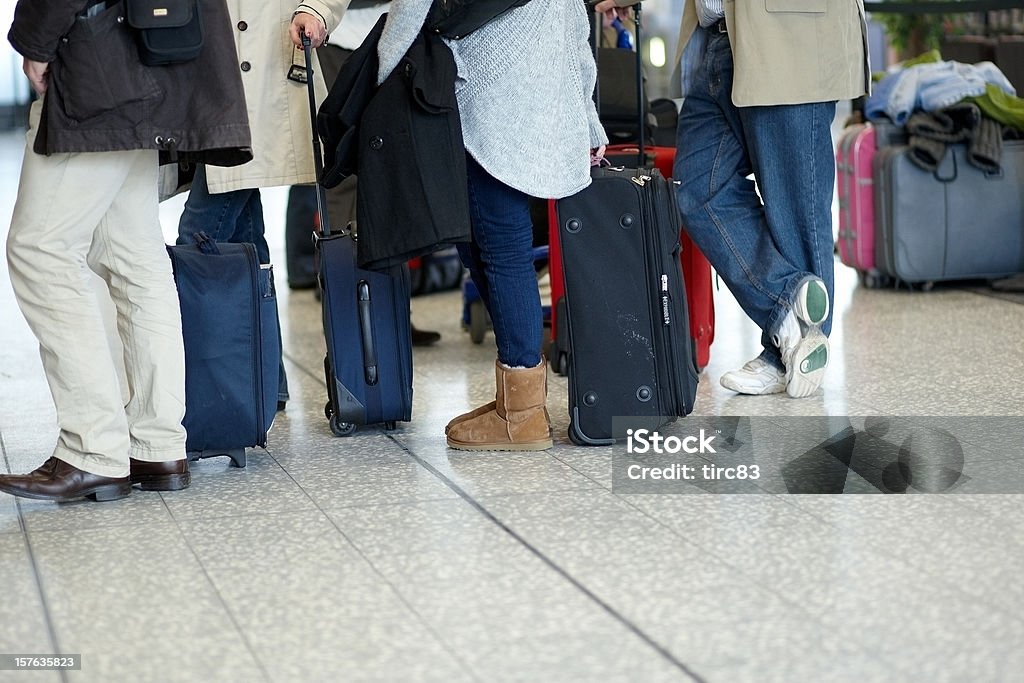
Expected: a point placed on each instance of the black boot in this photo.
(424, 337)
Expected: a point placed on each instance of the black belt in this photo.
(719, 26)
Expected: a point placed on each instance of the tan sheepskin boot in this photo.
(517, 420)
(486, 408)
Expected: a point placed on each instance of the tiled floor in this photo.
(387, 557)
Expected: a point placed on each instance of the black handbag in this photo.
(458, 18)
(168, 31)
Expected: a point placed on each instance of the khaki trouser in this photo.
(79, 214)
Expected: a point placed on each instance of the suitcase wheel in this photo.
(558, 358)
(391, 426)
(872, 279)
(237, 455)
(328, 410)
(339, 428)
(563, 363)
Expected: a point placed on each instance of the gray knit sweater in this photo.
(525, 92)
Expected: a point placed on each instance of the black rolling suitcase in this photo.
(625, 304)
(368, 366)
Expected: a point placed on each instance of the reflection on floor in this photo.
(388, 557)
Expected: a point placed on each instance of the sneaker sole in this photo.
(808, 368)
(812, 304)
(729, 384)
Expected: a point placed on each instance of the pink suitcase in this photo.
(854, 153)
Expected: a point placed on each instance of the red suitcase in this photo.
(696, 269)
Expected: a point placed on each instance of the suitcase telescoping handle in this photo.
(318, 155)
(641, 106)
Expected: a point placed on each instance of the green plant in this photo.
(913, 34)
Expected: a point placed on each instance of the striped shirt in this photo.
(709, 11)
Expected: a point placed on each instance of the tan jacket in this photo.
(278, 108)
(791, 51)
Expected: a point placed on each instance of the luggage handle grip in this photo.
(318, 155)
(206, 244)
(366, 330)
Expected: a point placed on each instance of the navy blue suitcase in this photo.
(232, 356)
(368, 367)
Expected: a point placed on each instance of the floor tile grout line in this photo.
(864, 647)
(50, 624)
(394, 589)
(47, 615)
(486, 513)
(999, 296)
(873, 550)
(671, 530)
(493, 519)
(216, 591)
(664, 652)
(711, 552)
(302, 368)
(925, 568)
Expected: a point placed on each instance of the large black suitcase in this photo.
(368, 367)
(625, 304)
(956, 223)
(232, 353)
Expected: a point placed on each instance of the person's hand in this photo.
(597, 154)
(613, 14)
(37, 73)
(606, 5)
(310, 24)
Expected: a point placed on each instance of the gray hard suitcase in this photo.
(957, 223)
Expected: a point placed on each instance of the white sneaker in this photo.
(803, 347)
(756, 378)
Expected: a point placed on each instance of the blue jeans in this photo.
(500, 261)
(763, 250)
(235, 216)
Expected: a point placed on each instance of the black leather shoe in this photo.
(302, 284)
(172, 475)
(424, 337)
(57, 481)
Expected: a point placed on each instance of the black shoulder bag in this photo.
(458, 18)
(169, 31)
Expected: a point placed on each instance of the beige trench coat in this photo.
(278, 108)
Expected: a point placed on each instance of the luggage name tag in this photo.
(297, 70)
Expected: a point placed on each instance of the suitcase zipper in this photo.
(666, 356)
(258, 388)
(681, 363)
